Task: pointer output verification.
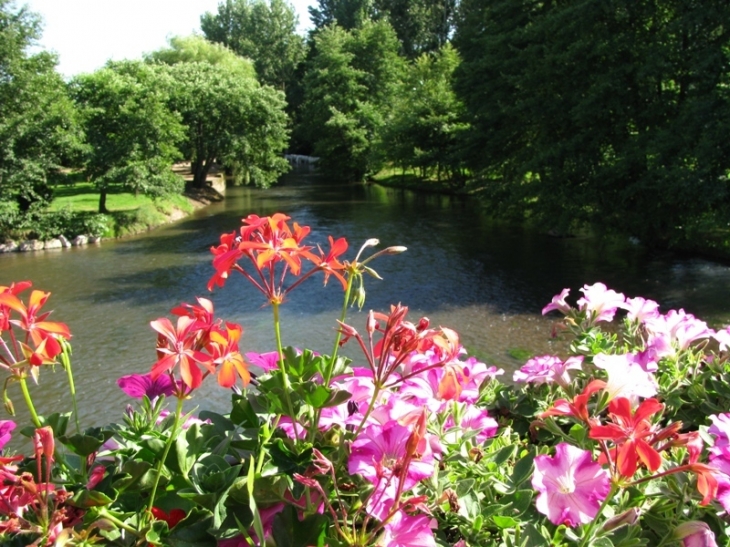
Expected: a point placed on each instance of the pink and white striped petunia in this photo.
(571, 485)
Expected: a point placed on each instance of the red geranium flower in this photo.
(632, 433)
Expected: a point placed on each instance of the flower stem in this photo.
(29, 402)
(165, 452)
(66, 361)
(335, 349)
(282, 367)
(338, 337)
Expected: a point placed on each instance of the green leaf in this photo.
(505, 522)
(243, 414)
(90, 498)
(289, 531)
(314, 394)
(88, 442)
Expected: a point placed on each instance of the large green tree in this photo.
(421, 25)
(613, 113)
(38, 128)
(350, 89)
(427, 128)
(264, 31)
(232, 120)
(131, 133)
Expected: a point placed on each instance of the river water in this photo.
(486, 281)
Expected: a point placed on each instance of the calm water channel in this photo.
(487, 282)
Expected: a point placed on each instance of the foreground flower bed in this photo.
(624, 441)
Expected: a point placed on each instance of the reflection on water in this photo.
(485, 280)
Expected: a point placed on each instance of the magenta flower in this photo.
(547, 369)
(6, 428)
(404, 530)
(599, 302)
(558, 303)
(139, 385)
(695, 534)
(267, 361)
(379, 452)
(571, 485)
(472, 419)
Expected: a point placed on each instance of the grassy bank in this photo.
(128, 213)
(410, 180)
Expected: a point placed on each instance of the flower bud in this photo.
(695, 533)
(626, 518)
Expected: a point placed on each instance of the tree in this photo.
(38, 127)
(427, 126)
(196, 49)
(421, 25)
(265, 32)
(607, 113)
(348, 14)
(231, 119)
(349, 93)
(131, 133)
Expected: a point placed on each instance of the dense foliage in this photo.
(265, 32)
(131, 134)
(623, 441)
(38, 126)
(606, 113)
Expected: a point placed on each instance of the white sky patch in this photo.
(87, 33)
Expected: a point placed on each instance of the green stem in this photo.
(165, 452)
(103, 513)
(66, 361)
(29, 402)
(338, 337)
(282, 367)
(592, 525)
(333, 358)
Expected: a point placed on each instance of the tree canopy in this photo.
(349, 93)
(610, 113)
(132, 135)
(229, 117)
(38, 128)
(264, 31)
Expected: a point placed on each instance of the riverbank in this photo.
(72, 219)
(712, 243)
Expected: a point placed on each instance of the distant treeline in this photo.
(613, 114)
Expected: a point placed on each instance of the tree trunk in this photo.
(102, 201)
(200, 173)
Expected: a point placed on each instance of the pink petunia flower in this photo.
(640, 309)
(472, 419)
(571, 485)
(379, 451)
(404, 530)
(6, 428)
(547, 369)
(558, 303)
(599, 302)
(139, 385)
(626, 377)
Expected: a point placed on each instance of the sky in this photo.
(87, 33)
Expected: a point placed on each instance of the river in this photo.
(486, 281)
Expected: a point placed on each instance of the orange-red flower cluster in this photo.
(42, 341)
(274, 249)
(199, 345)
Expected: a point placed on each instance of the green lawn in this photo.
(83, 196)
(129, 213)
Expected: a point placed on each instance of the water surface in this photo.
(461, 270)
